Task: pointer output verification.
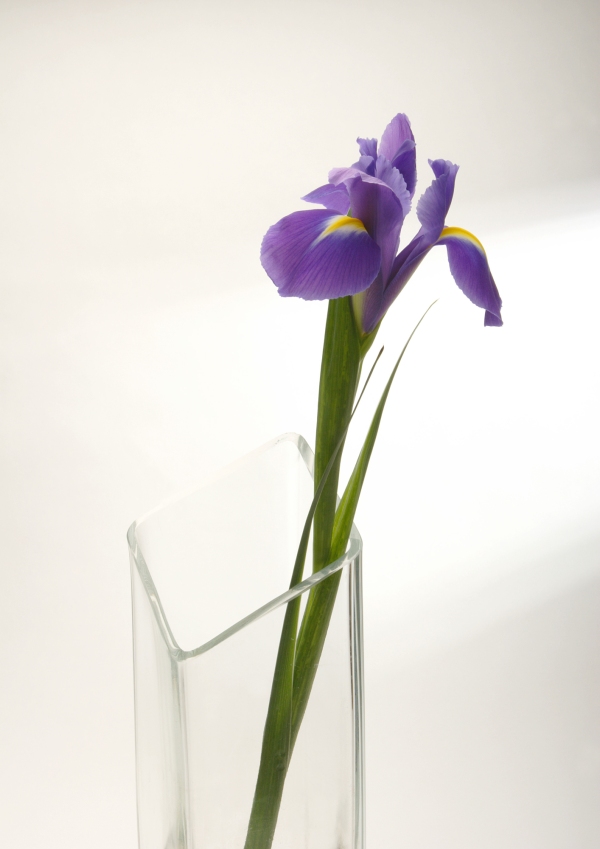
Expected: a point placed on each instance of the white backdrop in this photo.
(146, 147)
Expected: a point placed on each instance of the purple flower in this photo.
(351, 246)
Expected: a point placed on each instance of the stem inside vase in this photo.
(300, 649)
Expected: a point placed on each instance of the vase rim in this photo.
(352, 553)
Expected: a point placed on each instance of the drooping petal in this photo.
(470, 269)
(316, 255)
(468, 265)
(331, 197)
(435, 201)
(432, 208)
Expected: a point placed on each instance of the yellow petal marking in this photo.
(462, 234)
(342, 221)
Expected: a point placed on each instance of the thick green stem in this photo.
(340, 371)
(295, 670)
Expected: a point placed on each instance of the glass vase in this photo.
(210, 576)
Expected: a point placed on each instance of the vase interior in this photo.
(210, 578)
(222, 551)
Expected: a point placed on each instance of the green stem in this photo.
(340, 371)
(315, 621)
(298, 656)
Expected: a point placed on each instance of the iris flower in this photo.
(351, 246)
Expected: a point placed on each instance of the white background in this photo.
(145, 149)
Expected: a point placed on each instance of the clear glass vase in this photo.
(210, 573)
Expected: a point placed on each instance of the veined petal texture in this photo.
(470, 269)
(379, 208)
(316, 255)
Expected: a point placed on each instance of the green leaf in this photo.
(344, 516)
(319, 607)
(303, 546)
(278, 738)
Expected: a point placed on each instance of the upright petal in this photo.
(365, 164)
(398, 145)
(406, 163)
(380, 210)
(316, 255)
(389, 175)
(367, 147)
(470, 269)
(395, 134)
(331, 197)
(435, 201)
(368, 156)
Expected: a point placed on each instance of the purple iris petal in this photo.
(435, 201)
(316, 255)
(367, 305)
(406, 163)
(367, 147)
(491, 320)
(380, 210)
(389, 175)
(467, 259)
(366, 164)
(470, 269)
(395, 134)
(319, 254)
(331, 197)
(368, 155)
(393, 181)
(380, 206)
